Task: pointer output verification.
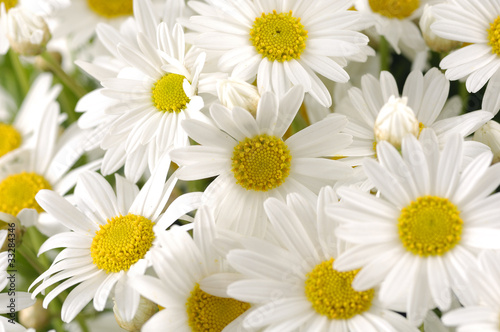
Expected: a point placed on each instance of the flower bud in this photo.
(489, 134)
(144, 312)
(14, 228)
(233, 92)
(394, 121)
(27, 33)
(35, 317)
(435, 43)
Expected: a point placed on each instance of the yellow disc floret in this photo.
(430, 226)
(18, 192)
(399, 9)
(278, 37)
(332, 295)
(121, 242)
(169, 95)
(494, 36)
(208, 313)
(111, 8)
(261, 163)
(9, 4)
(10, 139)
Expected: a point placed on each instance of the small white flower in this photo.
(234, 92)
(394, 121)
(489, 134)
(419, 238)
(433, 41)
(28, 33)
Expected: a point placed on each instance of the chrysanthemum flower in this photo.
(476, 23)
(377, 112)
(294, 285)
(395, 20)
(484, 284)
(252, 161)
(110, 239)
(136, 117)
(45, 164)
(420, 237)
(191, 299)
(283, 43)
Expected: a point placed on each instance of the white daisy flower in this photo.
(252, 161)
(379, 112)
(46, 164)
(17, 130)
(484, 283)
(476, 23)
(136, 117)
(489, 134)
(395, 20)
(78, 19)
(294, 285)
(192, 281)
(110, 239)
(420, 237)
(284, 43)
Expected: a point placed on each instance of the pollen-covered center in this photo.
(399, 9)
(9, 4)
(18, 191)
(211, 313)
(111, 8)
(430, 226)
(10, 138)
(121, 242)
(494, 36)
(331, 294)
(278, 37)
(261, 163)
(169, 95)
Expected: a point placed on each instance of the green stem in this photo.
(385, 54)
(83, 324)
(21, 75)
(68, 107)
(31, 258)
(67, 80)
(36, 239)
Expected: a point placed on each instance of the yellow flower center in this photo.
(169, 95)
(121, 242)
(332, 295)
(208, 313)
(18, 192)
(9, 4)
(421, 127)
(278, 37)
(10, 139)
(494, 36)
(430, 226)
(111, 8)
(399, 9)
(261, 163)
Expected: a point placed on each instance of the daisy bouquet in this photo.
(249, 165)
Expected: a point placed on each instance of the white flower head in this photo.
(110, 238)
(293, 284)
(419, 238)
(233, 92)
(433, 41)
(394, 121)
(252, 160)
(27, 32)
(282, 43)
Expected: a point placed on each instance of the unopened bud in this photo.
(489, 134)
(433, 41)
(27, 33)
(394, 121)
(233, 92)
(35, 317)
(144, 312)
(14, 230)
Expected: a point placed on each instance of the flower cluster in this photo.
(249, 165)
